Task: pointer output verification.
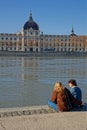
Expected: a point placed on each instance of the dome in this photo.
(31, 24)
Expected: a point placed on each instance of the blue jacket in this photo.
(77, 93)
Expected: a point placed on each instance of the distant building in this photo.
(30, 39)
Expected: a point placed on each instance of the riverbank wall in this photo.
(42, 118)
(29, 54)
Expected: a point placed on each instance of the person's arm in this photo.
(77, 102)
(73, 99)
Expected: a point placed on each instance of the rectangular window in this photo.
(2, 38)
(10, 38)
(14, 38)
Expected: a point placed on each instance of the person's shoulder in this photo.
(77, 88)
(74, 88)
(66, 89)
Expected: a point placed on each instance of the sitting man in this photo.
(75, 90)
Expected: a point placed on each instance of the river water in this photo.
(28, 81)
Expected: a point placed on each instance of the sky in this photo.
(52, 16)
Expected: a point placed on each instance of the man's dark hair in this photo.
(72, 81)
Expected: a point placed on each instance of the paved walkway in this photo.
(52, 121)
(41, 118)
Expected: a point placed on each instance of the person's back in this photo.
(75, 90)
(60, 98)
(63, 100)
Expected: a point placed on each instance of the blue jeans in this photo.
(53, 105)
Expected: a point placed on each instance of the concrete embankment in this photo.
(42, 118)
(29, 54)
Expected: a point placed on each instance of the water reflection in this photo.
(28, 81)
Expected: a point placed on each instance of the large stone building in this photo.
(30, 39)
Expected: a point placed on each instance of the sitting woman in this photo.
(62, 99)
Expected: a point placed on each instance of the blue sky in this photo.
(52, 16)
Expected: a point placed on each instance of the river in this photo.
(28, 81)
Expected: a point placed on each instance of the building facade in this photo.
(30, 39)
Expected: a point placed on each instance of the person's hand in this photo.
(82, 104)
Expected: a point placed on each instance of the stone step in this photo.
(10, 112)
